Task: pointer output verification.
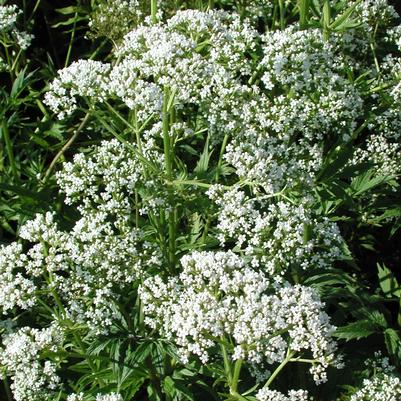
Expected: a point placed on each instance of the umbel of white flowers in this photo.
(218, 296)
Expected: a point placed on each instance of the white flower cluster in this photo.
(115, 19)
(311, 70)
(83, 78)
(380, 363)
(8, 17)
(259, 9)
(277, 135)
(109, 397)
(383, 387)
(195, 54)
(394, 36)
(108, 178)
(9, 32)
(88, 266)
(33, 379)
(265, 394)
(387, 117)
(265, 159)
(278, 236)
(218, 295)
(16, 290)
(385, 156)
(76, 397)
(373, 13)
(99, 397)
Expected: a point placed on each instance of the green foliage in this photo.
(361, 290)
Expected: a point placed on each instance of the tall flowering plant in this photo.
(206, 238)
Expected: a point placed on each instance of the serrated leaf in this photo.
(388, 282)
(393, 342)
(203, 162)
(366, 182)
(356, 330)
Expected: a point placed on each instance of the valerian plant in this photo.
(218, 231)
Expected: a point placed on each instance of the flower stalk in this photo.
(168, 102)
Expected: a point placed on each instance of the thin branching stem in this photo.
(153, 11)
(72, 38)
(66, 146)
(168, 160)
(279, 368)
(9, 148)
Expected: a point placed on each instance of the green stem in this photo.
(223, 148)
(67, 59)
(326, 19)
(168, 156)
(66, 146)
(126, 143)
(141, 319)
(303, 360)
(281, 6)
(227, 366)
(154, 378)
(137, 132)
(303, 6)
(98, 49)
(373, 48)
(255, 74)
(166, 136)
(81, 345)
(274, 17)
(210, 4)
(9, 63)
(206, 229)
(119, 116)
(136, 209)
(33, 13)
(236, 374)
(50, 310)
(126, 315)
(238, 396)
(9, 147)
(16, 60)
(50, 281)
(279, 368)
(153, 10)
(7, 389)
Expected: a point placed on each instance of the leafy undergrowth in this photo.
(200, 200)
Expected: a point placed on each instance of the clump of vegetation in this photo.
(200, 200)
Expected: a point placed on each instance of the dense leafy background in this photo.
(362, 294)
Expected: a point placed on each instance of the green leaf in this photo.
(393, 342)
(303, 6)
(356, 330)
(37, 196)
(335, 161)
(326, 13)
(388, 282)
(203, 162)
(341, 21)
(366, 182)
(69, 21)
(18, 83)
(67, 10)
